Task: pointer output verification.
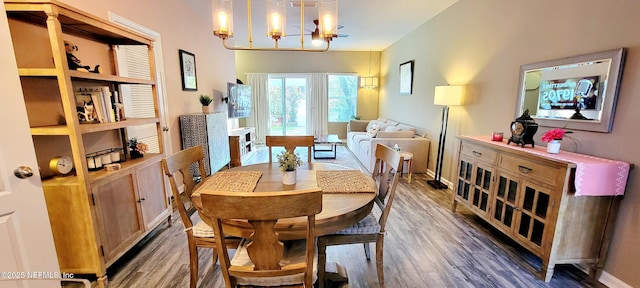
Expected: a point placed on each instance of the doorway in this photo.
(288, 109)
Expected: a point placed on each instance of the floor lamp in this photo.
(445, 96)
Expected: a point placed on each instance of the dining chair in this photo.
(370, 228)
(199, 235)
(290, 143)
(262, 259)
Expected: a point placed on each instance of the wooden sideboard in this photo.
(531, 199)
(242, 145)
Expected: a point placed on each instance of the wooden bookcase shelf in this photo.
(92, 128)
(95, 216)
(76, 75)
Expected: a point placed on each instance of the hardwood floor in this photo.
(426, 246)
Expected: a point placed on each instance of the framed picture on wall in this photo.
(188, 70)
(406, 78)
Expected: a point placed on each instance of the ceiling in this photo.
(370, 24)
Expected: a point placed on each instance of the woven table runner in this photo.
(230, 181)
(345, 181)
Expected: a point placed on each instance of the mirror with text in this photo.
(576, 93)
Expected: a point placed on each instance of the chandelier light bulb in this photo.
(275, 22)
(222, 19)
(327, 25)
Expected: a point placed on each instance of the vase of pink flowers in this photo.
(553, 138)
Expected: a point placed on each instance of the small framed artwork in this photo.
(406, 78)
(188, 70)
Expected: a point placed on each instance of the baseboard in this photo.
(611, 281)
(605, 278)
(445, 181)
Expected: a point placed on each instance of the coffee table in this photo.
(332, 140)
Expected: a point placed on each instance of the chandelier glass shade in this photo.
(222, 14)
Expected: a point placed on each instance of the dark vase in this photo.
(135, 154)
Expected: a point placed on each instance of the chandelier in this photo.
(276, 23)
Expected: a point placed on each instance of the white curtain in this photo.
(260, 114)
(319, 95)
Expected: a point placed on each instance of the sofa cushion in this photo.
(383, 120)
(392, 129)
(360, 137)
(404, 127)
(395, 134)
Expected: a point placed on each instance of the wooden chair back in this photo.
(262, 210)
(387, 161)
(290, 143)
(179, 163)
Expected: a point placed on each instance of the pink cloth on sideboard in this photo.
(595, 176)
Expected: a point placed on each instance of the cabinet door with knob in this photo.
(116, 205)
(475, 182)
(521, 208)
(128, 204)
(153, 204)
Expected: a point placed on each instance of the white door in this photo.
(26, 242)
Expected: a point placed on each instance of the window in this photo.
(343, 97)
(288, 104)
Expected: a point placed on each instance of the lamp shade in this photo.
(369, 82)
(448, 95)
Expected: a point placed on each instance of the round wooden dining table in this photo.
(339, 210)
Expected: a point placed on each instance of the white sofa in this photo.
(390, 133)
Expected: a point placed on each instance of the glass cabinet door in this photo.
(474, 185)
(534, 209)
(465, 173)
(481, 189)
(505, 201)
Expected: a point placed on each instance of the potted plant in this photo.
(137, 149)
(205, 100)
(289, 162)
(553, 138)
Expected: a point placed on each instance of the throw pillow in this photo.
(392, 123)
(382, 126)
(371, 124)
(373, 132)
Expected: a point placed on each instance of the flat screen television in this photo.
(239, 100)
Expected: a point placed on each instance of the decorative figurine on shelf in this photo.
(87, 113)
(137, 148)
(74, 62)
(523, 129)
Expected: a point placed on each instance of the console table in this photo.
(531, 197)
(242, 144)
